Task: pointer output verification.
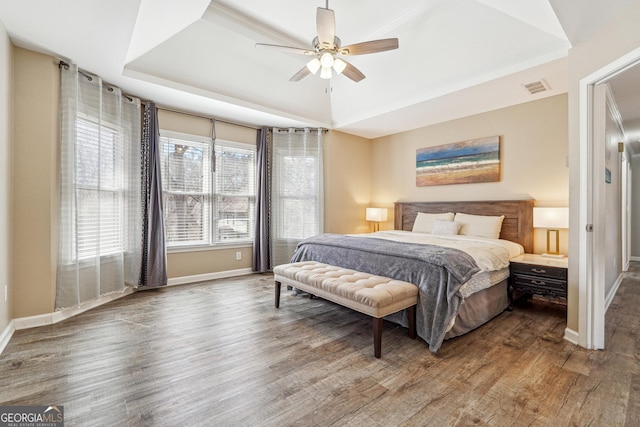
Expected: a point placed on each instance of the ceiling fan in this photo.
(327, 52)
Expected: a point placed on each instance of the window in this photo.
(297, 205)
(100, 208)
(234, 202)
(203, 206)
(99, 189)
(298, 191)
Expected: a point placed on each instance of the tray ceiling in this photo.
(456, 57)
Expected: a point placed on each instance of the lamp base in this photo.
(557, 256)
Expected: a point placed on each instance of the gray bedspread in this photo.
(438, 272)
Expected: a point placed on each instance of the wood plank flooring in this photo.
(220, 354)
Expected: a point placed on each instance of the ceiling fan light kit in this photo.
(326, 50)
(339, 65)
(314, 65)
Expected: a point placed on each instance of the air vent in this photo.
(536, 87)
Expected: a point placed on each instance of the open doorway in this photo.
(600, 113)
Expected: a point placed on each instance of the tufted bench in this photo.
(376, 296)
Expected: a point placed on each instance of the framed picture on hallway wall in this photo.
(473, 161)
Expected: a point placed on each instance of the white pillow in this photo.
(480, 225)
(442, 227)
(424, 221)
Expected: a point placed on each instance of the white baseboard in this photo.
(208, 276)
(59, 316)
(6, 335)
(612, 292)
(635, 258)
(571, 336)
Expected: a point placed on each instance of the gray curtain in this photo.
(154, 255)
(261, 245)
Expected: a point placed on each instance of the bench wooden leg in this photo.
(412, 322)
(278, 284)
(377, 337)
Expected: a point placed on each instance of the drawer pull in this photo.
(538, 270)
(538, 282)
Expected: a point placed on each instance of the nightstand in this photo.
(535, 274)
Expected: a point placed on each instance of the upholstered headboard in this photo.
(518, 216)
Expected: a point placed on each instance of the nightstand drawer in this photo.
(539, 283)
(539, 270)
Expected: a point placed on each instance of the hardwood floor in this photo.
(219, 353)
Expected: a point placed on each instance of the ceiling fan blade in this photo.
(326, 25)
(287, 49)
(353, 73)
(304, 72)
(372, 46)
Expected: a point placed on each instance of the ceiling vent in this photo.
(536, 87)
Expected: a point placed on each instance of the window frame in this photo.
(212, 243)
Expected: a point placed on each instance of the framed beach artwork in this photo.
(476, 160)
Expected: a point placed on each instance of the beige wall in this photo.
(612, 203)
(183, 264)
(36, 83)
(347, 182)
(6, 63)
(533, 151)
(605, 45)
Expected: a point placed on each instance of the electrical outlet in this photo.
(238, 256)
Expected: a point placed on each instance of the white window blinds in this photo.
(186, 184)
(297, 202)
(234, 193)
(99, 160)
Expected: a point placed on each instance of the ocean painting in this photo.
(477, 160)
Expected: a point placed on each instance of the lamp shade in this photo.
(377, 214)
(554, 218)
(314, 65)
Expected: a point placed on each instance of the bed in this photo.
(443, 269)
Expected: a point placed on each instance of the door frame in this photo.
(591, 305)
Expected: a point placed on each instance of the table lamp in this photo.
(376, 215)
(553, 219)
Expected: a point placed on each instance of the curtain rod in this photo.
(200, 116)
(89, 76)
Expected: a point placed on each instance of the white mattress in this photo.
(491, 255)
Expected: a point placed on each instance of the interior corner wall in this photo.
(6, 65)
(533, 152)
(605, 45)
(205, 262)
(347, 182)
(36, 84)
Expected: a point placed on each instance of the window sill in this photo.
(205, 248)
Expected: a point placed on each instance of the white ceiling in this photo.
(456, 57)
